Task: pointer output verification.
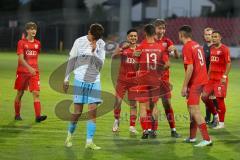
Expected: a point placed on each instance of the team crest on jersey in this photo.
(219, 52)
(36, 46)
(219, 89)
(164, 44)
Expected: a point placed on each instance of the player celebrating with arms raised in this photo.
(123, 84)
(219, 69)
(86, 60)
(195, 78)
(28, 50)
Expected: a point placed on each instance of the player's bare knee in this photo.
(20, 94)
(36, 94)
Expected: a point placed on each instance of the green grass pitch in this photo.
(27, 140)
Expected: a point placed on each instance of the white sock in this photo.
(69, 134)
(221, 123)
(173, 129)
(216, 116)
(89, 141)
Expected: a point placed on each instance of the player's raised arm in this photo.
(99, 54)
(117, 52)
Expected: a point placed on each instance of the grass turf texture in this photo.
(30, 141)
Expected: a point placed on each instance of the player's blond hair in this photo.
(30, 25)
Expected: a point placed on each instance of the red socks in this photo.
(133, 120)
(133, 115)
(204, 131)
(37, 107)
(17, 106)
(221, 109)
(117, 112)
(144, 123)
(170, 117)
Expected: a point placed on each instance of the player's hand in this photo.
(125, 45)
(171, 48)
(65, 86)
(94, 46)
(32, 71)
(173, 51)
(167, 65)
(223, 80)
(184, 91)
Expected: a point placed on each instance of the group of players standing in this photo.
(144, 74)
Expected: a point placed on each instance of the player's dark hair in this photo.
(218, 32)
(159, 22)
(149, 29)
(96, 30)
(30, 25)
(131, 30)
(186, 30)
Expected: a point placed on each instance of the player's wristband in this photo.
(224, 76)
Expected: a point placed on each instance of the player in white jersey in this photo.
(86, 60)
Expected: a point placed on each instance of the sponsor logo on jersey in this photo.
(164, 44)
(31, 53)
(219, 52)
(130, 60)
(214, 59)
(36, 46)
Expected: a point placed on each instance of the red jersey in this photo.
(151, 56)
(193, 54)
(30, 50)
(218, 59)
(165, 43)
(127, 63)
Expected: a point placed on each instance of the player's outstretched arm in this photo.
(25, 64)
(117, 52)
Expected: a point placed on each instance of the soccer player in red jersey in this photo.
(149, 60)
(27, 74)
(126, 53)
(160, 28)
(220, 65)
(207, 34)
(195, 78)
